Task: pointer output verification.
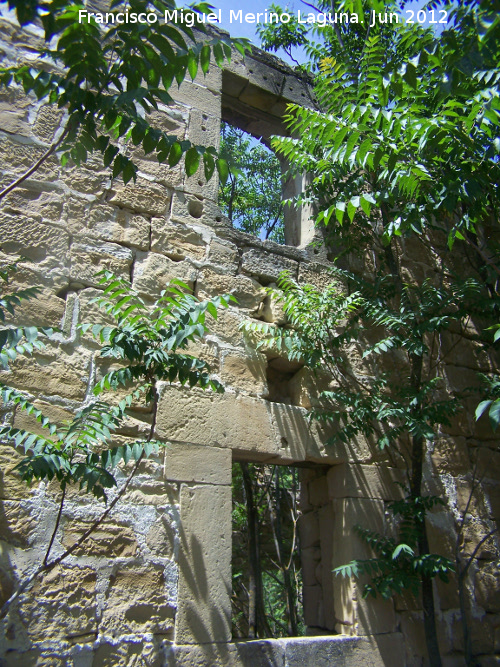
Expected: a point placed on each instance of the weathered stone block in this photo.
(313, 606)
(153, 272)
(197, 96)
(151, 492)
(52, 243)
(204, 128)
(487, 587)
(375, 615)
(11, 485)
(451, 455)
(118, 226)
(132, 652)
(61, 603)
(138, 601)
(236, 422)
(350, 512)
(224, 254)
(227, 326)
(47, 205)
(201, 464)
(309, 530)
(142, 197)
(271, 310)
(296, 439)
(20, 154)
(195, 209)
(318, 491)
(14, 112)
(244, 372)
(86, 180)
(441, 533)
(327, 537)
(110, 540)
(87, 259)
(36, 658)
(27, 421)
(379, 651)
(162, 536)
(262, 653)
(176, 240)
(265, 266)
(248, 292)
(412, 627)
(17, 523)
(52, 373)
(364, 481)
(44, 310)
(47, 121)
(204, 565)
(309, 559)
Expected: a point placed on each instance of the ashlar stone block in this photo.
(61, 603)
(153, 272)
(365, 481)
(138, 601)
(205, 418)
(204, 613)
(248, 292)
(200, 464)
(176, 240)
(266, 266)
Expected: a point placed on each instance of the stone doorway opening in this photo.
(267, 598)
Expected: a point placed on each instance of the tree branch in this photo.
(58, 520)
(47, 567)
(37, 164)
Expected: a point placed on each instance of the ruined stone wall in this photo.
(153, 585)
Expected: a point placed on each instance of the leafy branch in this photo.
(149, 344)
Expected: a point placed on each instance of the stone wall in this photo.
(153, 586)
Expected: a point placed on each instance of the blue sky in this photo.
(248, 30)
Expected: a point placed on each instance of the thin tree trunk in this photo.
(417, 464)
(275, 515)
(46, 566)
(256, 614)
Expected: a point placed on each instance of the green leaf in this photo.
(482, 407)
(494, 414)
(223, 170)
(205, 58)
(192, 161)
(192, 66)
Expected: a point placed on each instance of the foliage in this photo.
(411, 137)
(274, 498)
(251, 197)
(402, 155)
(323, 324)
(286, 36)
(398, 400)
(110, 77)
(16, 340)
(398, 567)
(491, 404)
(149, 346)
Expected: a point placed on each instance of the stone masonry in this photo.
(152, 587)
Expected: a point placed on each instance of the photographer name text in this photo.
(191, 18)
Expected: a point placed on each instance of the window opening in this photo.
(267, 578)
(252, 196)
